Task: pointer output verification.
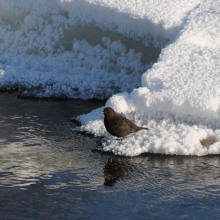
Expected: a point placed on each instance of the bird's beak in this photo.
(102, 112)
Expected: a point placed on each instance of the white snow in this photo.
(168, 133)
(166, 139)
(135, 18)
(178, 97)
(86, 72)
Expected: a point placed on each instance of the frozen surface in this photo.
(178, 97)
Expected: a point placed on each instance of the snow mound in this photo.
(167, 134)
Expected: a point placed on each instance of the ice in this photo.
(177, 97)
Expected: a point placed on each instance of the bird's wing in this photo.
(124, 125)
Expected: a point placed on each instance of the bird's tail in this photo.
(142, 128)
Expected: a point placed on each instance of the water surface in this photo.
(47, 171)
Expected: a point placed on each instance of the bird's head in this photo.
(108, 111)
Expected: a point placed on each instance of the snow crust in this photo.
(178, 97)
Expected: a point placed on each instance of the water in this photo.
(47, 171)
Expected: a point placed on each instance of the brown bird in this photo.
(117, 125)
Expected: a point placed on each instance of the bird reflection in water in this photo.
(114, 170)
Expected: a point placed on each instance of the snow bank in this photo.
(179, 99)
(165, 139)
(34, 60)
(168, 133)
(33, 35)
(86, 72)
(187, 73)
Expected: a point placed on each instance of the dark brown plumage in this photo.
(117, 125)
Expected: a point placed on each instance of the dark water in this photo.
(47, 171)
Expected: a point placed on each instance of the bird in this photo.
(117, 125)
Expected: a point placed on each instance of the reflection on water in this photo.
(114, 170)
(47, 171)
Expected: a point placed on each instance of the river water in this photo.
(48, 171)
